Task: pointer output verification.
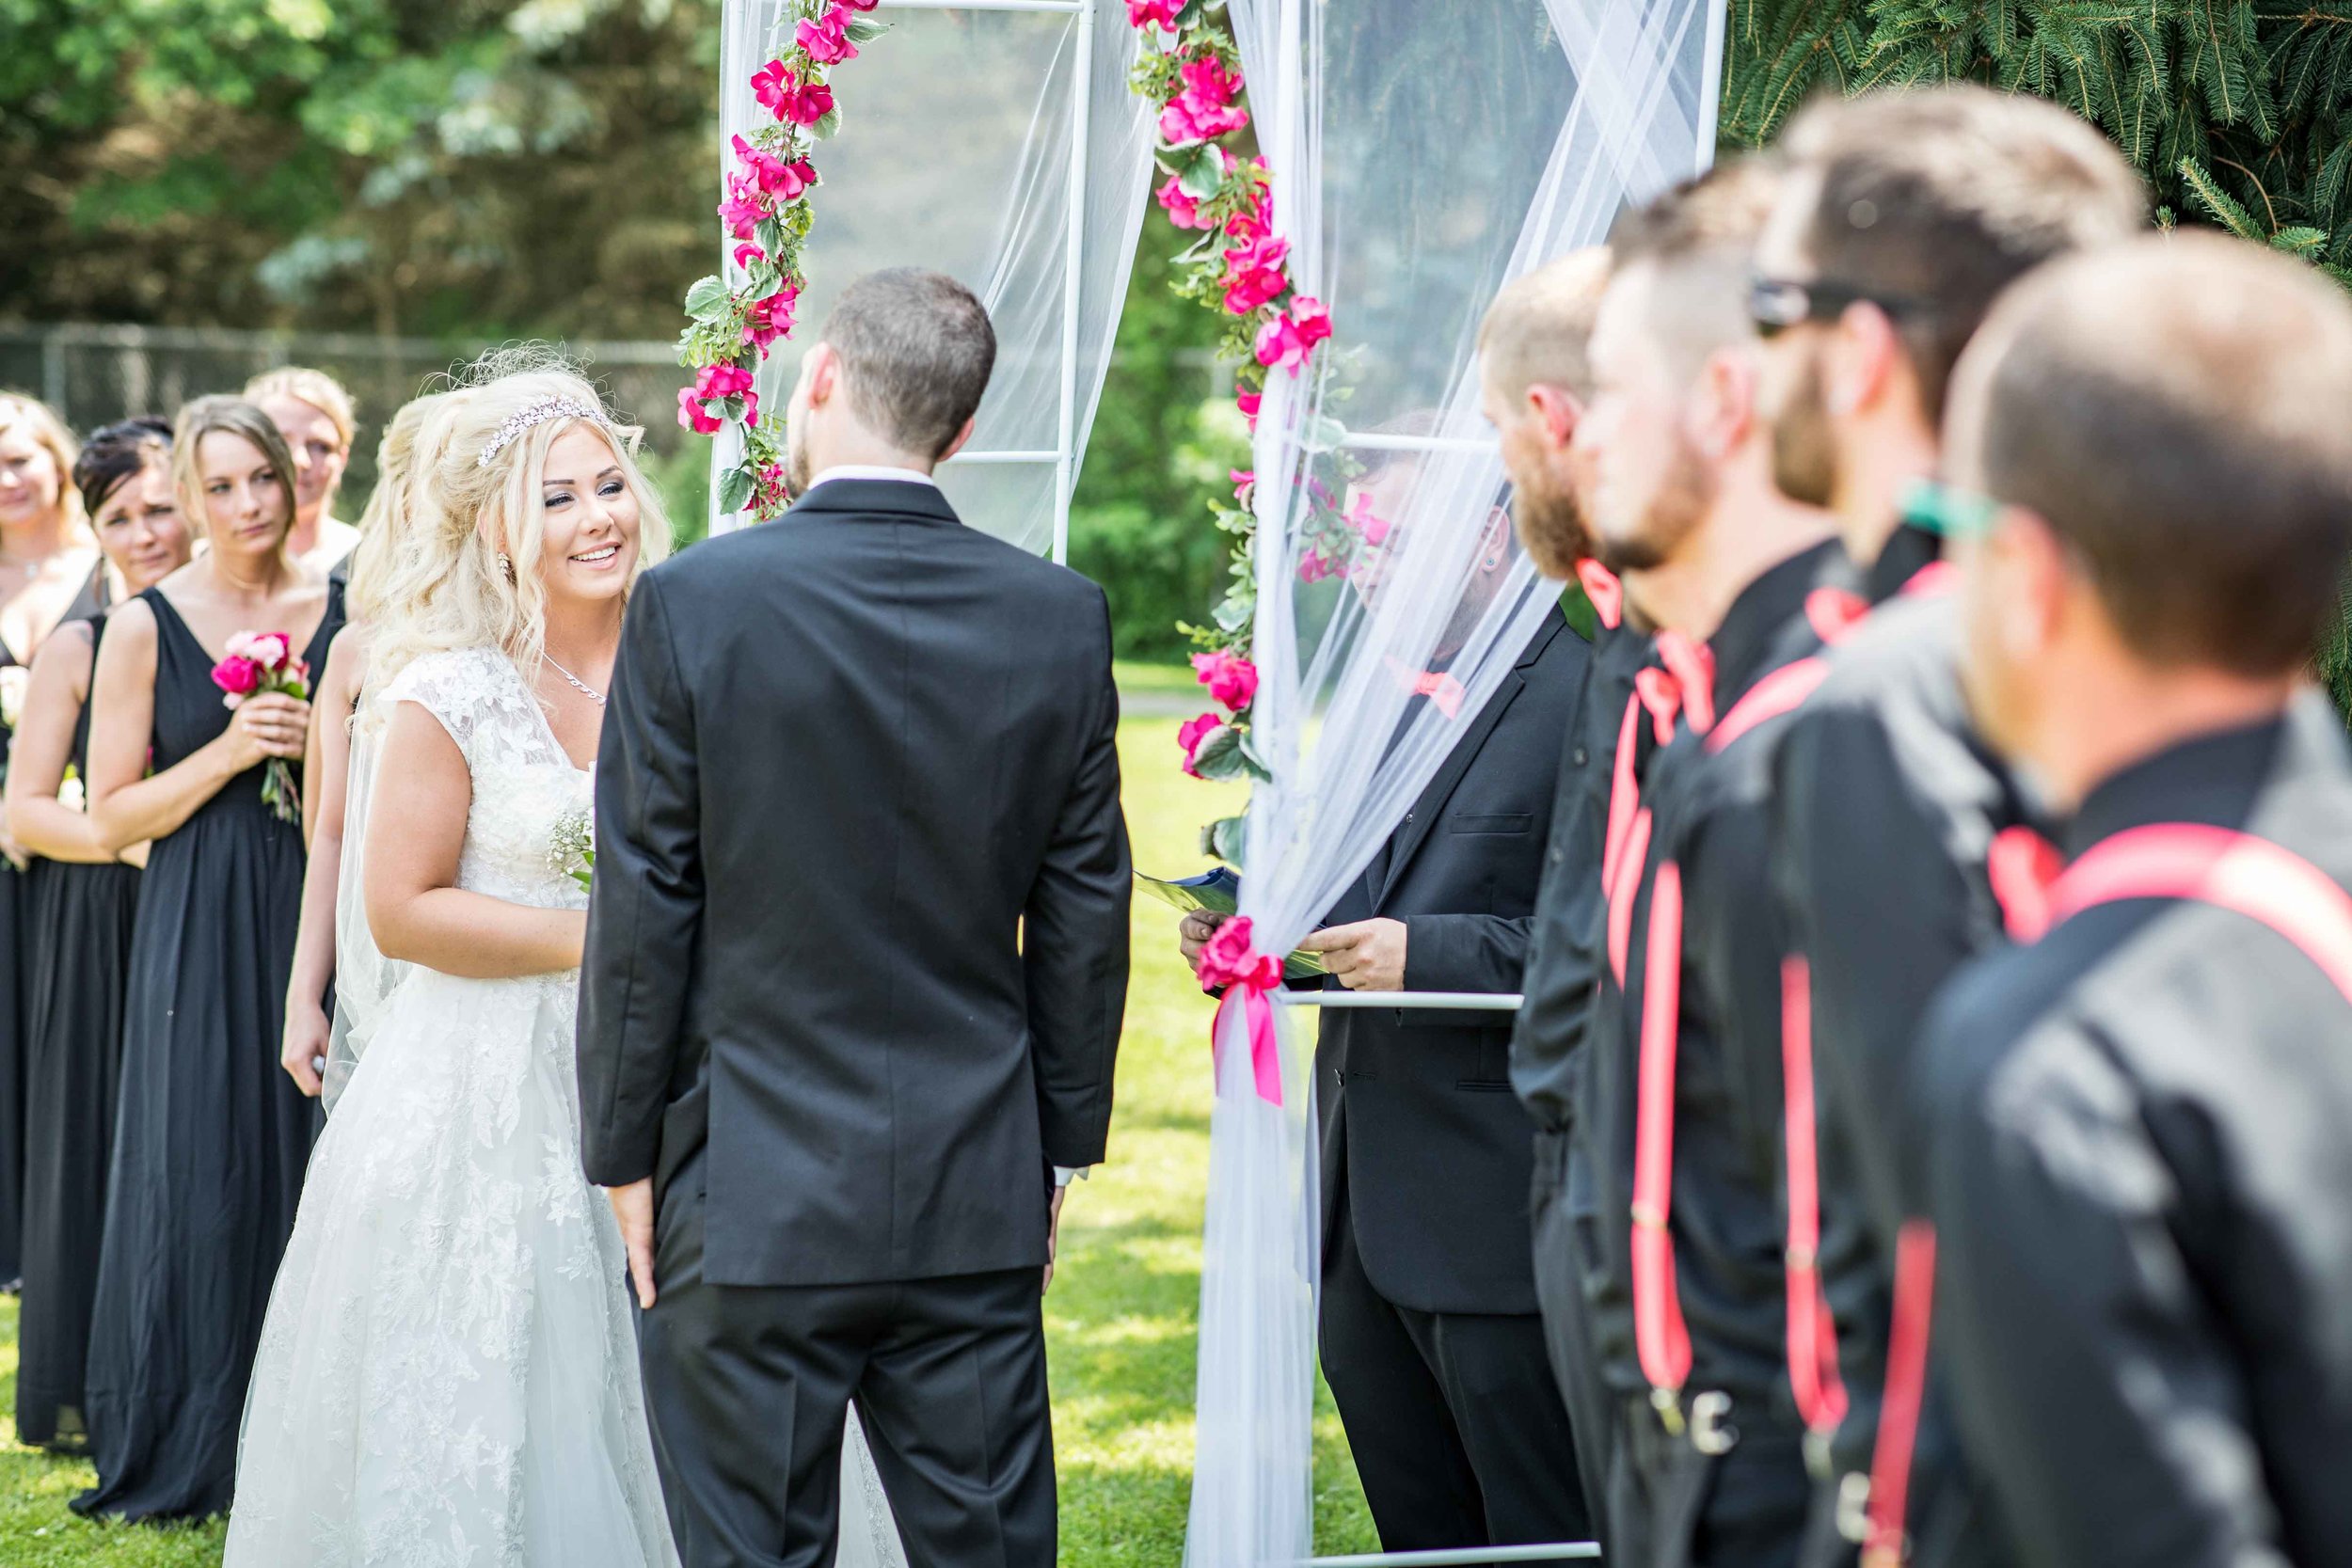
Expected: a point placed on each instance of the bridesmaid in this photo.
(315, 414)
(81, 899)
(339, 769)
(48, 575)
(211, 1138)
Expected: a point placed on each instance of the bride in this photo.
(448, 1374)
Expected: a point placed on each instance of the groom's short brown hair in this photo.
(917, 351)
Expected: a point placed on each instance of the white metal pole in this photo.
(1073, 255)
(1413, 1001)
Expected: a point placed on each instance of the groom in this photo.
(857, 954)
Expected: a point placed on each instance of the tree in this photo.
(480, 169)
(2239, 112)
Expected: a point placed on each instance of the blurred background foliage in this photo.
(472, 171)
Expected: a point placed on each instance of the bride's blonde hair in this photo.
(464, 572)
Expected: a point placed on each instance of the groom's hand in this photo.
(632, 1205)
(1053, 1236)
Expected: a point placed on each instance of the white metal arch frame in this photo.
(1103, 146)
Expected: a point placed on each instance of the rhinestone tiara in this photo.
(538, 413)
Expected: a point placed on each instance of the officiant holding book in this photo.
(1430, 1336)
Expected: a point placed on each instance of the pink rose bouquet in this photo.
(262, 663)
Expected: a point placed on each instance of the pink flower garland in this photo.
(1192, 74)
(735, 325)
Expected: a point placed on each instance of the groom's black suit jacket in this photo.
(857, 944)
(1420, 1130)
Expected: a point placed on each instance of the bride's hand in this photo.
(305, 1045)
(632, 1205)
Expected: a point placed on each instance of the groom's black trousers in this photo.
(747, 1386)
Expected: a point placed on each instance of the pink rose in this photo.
(770, 83)
(811, 104)
(1314, 321)
(691, 414)
(1289, 336)
(1190, 118)
(1314, 568)
(1374, 531)
(269, 650)
(746, 254)
(1211, 80)
(722, 381)
(1255, 278)
(772, 175)
(1230, 958)
(1193, 734)
(826, 40)
(742, 209)
(783, 94)
(1247, 403)
(1154, 13)
(1183, 211)
(770, 318)
(861, 4)
(1230, 680)
(1245, 486)
(237, 677)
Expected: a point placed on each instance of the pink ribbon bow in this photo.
(1231, 963)
(1684, 687)
(1442, 690)
(1602, 587)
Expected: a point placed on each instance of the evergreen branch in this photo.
(2218, 203)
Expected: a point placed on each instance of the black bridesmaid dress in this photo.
(79, 949)
(16, 975)
(211, 1138)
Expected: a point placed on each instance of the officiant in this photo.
(1431, 1339)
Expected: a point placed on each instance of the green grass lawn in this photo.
(1120, 1322)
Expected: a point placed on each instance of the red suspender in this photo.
(1936, 577)
(2192, 861)
(1624, 793)
(1782, 692)
(2235, 871)
(1812, 1334)
(1906, 1387)
(1660, 1337)
(1628, 882)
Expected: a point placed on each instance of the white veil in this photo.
(364, 978)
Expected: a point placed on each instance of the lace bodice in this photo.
(524, 785)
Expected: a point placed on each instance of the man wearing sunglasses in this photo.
(1901, 219)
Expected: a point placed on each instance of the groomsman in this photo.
(1430, 1337)
(2139, 1177)
(1535, 364)
(1902, 215)
(1679, 1121)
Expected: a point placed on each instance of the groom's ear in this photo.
(824, 372)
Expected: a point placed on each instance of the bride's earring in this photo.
(507, 565)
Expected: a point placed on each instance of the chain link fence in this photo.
(92, 375)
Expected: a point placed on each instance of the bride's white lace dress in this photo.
(447, 1377)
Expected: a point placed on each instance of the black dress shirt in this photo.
(1884, 804)
(2137, 1165)
(1708, 817)
(1564, 962)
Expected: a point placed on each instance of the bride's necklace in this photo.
(577, 685)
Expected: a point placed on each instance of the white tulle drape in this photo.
(1423, 154)
(959, 127)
